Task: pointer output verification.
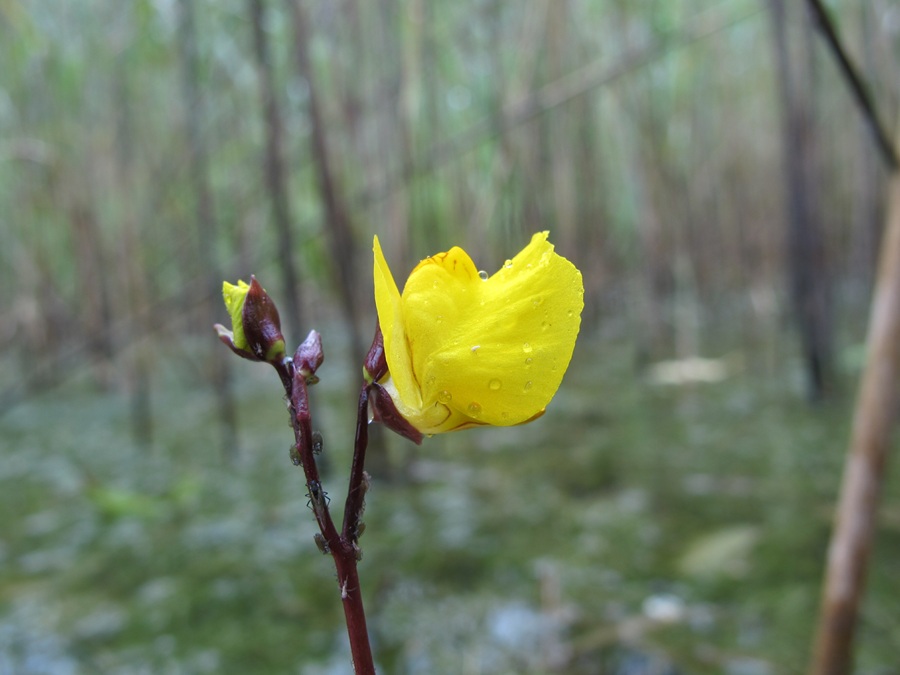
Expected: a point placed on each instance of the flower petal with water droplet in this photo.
(522, 321)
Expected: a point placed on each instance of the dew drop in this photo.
(528, 361)
(537, 300)
(528, 385)
(435, 284)
(483, 275)
(526, 348)
(445, 396)
(495, 384)
(430, 379)
(439, 318)
(570, 313)
(545, 325)
(507, 264)
(474, 408)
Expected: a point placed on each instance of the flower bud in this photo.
(375, 366)
(309, 356)
(255, 325)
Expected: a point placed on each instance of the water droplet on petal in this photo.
(435, 284)
(537, 300)
(474, 408)
(526, 348)
(495, 384)
(570, 313)
(430, 379)
(528, 361)
(545, 325)
(507, 264)
(445, 396)
(528, 385)
(483, 275)
(439, 318)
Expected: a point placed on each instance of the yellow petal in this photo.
(492, 351)
(438, 295)
(234, 297)
(393, 329)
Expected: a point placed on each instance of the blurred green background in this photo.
(669, 514)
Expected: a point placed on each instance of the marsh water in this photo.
(644, 524)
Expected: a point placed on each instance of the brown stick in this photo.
(858, 88)
(876, 407)
(207, 224)
(338, 230)
(276, 173)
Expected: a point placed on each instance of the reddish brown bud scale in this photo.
(376, 364)
(309, 354)
(262, 325)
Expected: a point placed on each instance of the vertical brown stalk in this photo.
(206, 221)
(867, 198)
(94, 296)
(559, 131)
(131, 272)
(274, 169)
(805, 249)
(338, 227)
(873, 421)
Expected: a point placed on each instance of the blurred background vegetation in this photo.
(701, 163)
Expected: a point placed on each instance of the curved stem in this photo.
(359, 479)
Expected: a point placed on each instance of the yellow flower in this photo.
(464, 349)
(234, 297)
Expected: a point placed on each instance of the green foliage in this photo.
(695, 515)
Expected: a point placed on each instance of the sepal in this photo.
(383, 410)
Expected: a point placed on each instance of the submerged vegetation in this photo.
(635, 523)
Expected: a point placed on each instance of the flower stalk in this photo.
(299, 374)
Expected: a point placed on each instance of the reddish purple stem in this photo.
(343, 547)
